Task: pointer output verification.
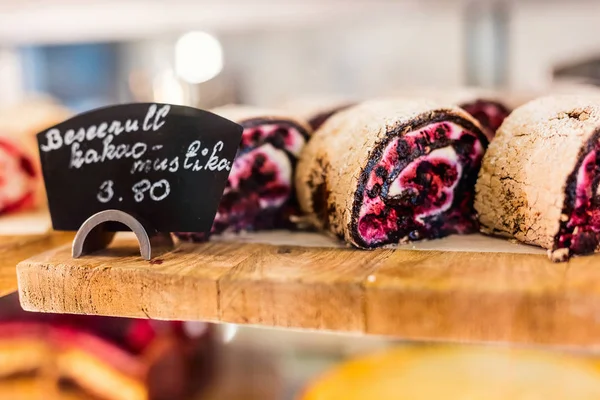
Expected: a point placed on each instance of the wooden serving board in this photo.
(23, 235)
(471, 288)
(16, 248)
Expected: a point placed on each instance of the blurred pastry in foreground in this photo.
(21, 183)
(109, 358)
(459, 373)
(539, 179)
(390, 171)
(317, 110)
(259, 193)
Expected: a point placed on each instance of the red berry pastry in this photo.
(19, 177)
(539, 179)
(387, 171)
(21, 184)
(259, 193)
(489, 113)
(109, 358)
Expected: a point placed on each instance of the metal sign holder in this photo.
(93, 236)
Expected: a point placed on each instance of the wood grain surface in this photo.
(433, 294)
(14, 249)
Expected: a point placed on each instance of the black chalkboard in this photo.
(164, 164)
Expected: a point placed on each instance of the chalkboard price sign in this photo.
(165, 164)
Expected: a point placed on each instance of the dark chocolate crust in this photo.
(400, 130)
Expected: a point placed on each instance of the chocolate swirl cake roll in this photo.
(259, 193)
(387, 171)
(539, 179)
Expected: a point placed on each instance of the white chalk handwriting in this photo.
(144, 157)
(157, 191)
(155, 118)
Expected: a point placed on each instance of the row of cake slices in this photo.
(266, 133)
(387, 171)
(105, 358)
(423, 166)
(261, 193)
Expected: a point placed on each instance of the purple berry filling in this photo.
(259, 191)
(422, 186)
(490, 114)
(580, 227)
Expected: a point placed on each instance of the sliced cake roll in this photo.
(260, 193)
(387, 171)
(20, 177)
(539, 179)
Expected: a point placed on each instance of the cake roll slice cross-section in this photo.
(259, 193)
(392, 170)
(539, 179)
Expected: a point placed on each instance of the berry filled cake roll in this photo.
(388, 171)
(259, 193)
(539, 178)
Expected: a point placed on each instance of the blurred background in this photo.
(205, 53)
(210, 52)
